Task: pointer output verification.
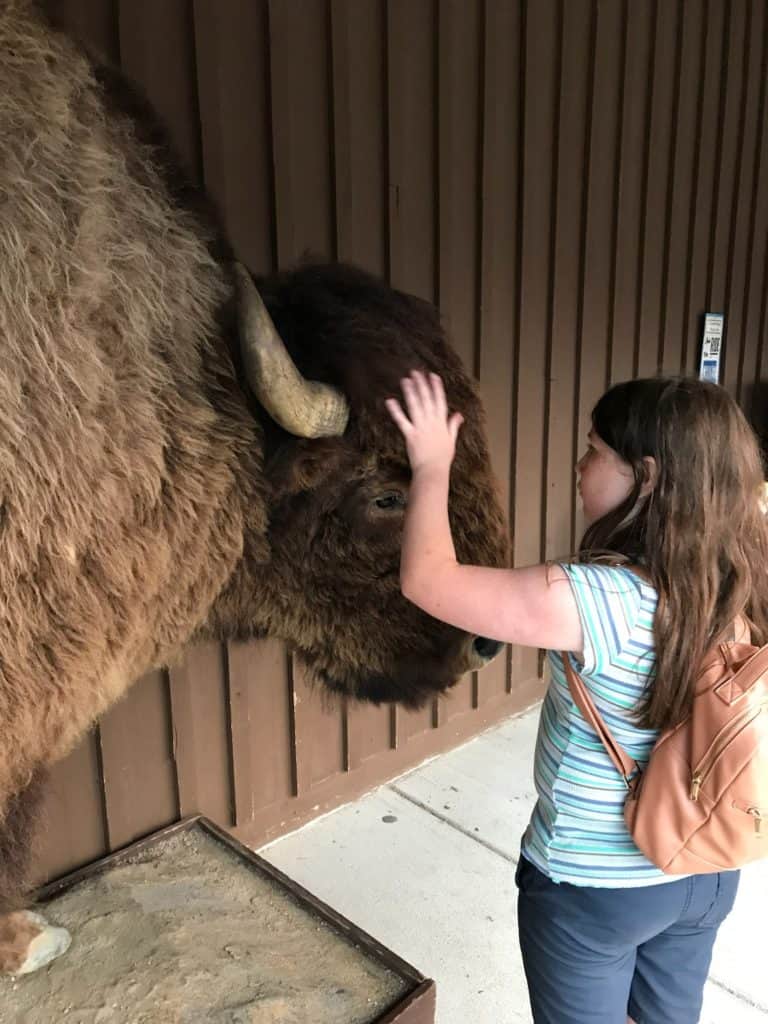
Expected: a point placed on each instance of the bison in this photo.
(179, 459)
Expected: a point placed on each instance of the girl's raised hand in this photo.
(429, 432)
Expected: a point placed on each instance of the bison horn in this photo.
(306, 408)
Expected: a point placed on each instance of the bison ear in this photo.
(306, 465)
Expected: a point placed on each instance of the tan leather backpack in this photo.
(701, 803)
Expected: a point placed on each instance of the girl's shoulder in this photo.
(616, 606)
(608, 577)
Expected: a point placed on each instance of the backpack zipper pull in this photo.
(755, 812)
(695, 787)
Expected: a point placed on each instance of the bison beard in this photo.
(153, 488)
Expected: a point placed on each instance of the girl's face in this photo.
(604, 479)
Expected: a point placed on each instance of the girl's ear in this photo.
(651, 475)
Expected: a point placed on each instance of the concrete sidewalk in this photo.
(426, 865)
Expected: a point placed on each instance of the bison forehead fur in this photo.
(145, 497)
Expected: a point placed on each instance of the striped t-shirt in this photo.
(577, 832)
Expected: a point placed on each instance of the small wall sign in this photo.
(711, 347)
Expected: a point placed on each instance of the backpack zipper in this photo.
(759, 815)
(718, 745)
(755, 812)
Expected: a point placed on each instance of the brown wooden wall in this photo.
(573, 181)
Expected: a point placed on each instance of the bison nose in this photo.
(485, 648)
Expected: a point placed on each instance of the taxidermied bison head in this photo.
(336, 503)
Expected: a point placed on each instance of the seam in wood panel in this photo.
(761, 113)
(522, 61)
(735, 195)
(650, 93)
(579, 331)
(742, 158)
(269, 108)
(185, 773)
(102, 787)
(293, 739)
(384, 138)
(660, 357)
(195, 75)
(553, 225)
(230, 734)
(617, 154)
(479, 198)
(284, 212)
(488, 267)
(114, 31)
(687, 328)
(763, 310)
(345, 759)
(386, 121)
(442, 142)
(436, 152)
(172, 738)
(332, 156)
(725, 46)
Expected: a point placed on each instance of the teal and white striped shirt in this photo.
(577, 832)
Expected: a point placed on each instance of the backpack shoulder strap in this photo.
(623, 763)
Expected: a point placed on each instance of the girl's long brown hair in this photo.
(700, 535)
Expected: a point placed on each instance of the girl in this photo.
(676, 546)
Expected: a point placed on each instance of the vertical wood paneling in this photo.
(684, 172)
(458, 253)
(200, 727)
(760, 396)
(575, 92)
(232, 59)
(321, 733)
(498, 268)
(543, 24)
(726, 178)
(634, 43)
(360, 141)
(574, 181)
(140, 784)
(301, 72)
(698, 292)
(261, 727)
(756, 252)
(411, 64)
(413, 182)
(72, 825)
(459, 36)
(360, 164)
(658, 187)
(94, 22)
(157, 50)
(601, 171)
(742, 211)
(370, 730)
(300, 69)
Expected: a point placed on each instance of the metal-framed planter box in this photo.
(187, 888)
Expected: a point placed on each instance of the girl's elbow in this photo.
(410, 587)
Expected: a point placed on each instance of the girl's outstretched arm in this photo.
(533, 606)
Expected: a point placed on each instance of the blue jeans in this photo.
(595, 956)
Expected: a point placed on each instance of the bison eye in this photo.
(390, 500)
